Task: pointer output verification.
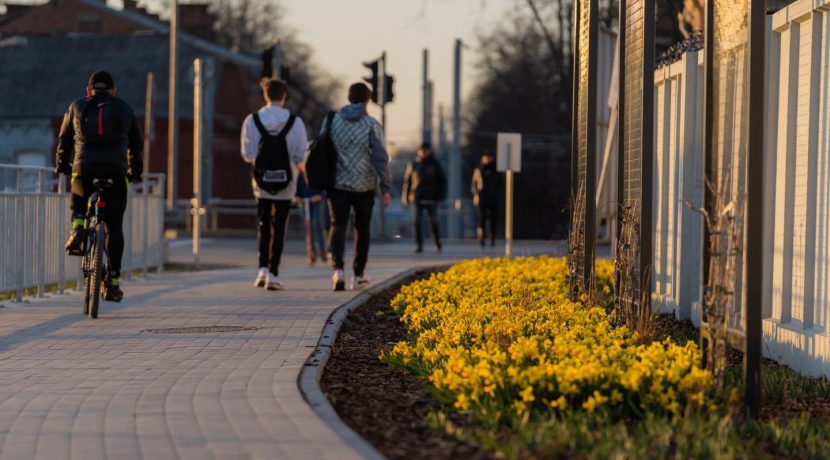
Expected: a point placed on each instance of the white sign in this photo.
(509, 152)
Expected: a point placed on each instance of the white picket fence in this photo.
(34, 224)
(796, 286)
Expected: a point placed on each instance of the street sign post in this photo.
(509, 161)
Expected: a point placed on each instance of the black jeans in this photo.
(115, 198)
(430, 209)
(341, 203)
(273, 217)
(487, 214)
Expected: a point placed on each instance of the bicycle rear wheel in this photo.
(86, 270)
(87, 286)
(96, 278)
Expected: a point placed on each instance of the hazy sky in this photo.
(345, 33)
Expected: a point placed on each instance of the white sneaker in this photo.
(274, 283)
(338, 280)
(360, 282)
(261, 277)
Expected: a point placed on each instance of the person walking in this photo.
(100, 139)
(312, 201)
(362, 162)
(274, 141)
(485, 188)
(425, 186)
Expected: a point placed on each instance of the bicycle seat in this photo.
(102, 183)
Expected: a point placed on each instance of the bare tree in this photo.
(251, 26)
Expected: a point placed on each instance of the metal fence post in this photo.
(21, 228)
(160, 222)
(128, 237)
(41, 237)
(145, 249)
(61, 231)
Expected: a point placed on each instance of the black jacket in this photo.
(100, 130)
(424, 181)
(486, 185)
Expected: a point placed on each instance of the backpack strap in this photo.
(288, 125)
(259, 126)
(329, 121)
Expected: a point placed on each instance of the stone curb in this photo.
(309, 378)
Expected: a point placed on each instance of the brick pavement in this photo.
(76, 388)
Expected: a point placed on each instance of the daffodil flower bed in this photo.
(499, 338)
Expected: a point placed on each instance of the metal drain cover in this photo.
(200, 329)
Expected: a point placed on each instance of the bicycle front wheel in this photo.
(97, 272)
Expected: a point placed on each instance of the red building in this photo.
(48, 51)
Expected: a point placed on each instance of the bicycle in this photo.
(95, 261)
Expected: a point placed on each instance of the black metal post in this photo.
(708, 158)
(591, 143)
(755, 210)
(647, 155)
(575, 108)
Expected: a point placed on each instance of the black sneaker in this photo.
(438, 247)
(419, 250)
(112, 293)
(75, 243)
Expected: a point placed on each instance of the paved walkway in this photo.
(76, 388)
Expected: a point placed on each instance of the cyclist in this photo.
(100, 139)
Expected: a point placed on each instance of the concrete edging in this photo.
(309, 378)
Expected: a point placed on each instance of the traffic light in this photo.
(373, 79)
(388, 88)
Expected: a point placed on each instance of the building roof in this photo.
(43, 74)
(147, 22)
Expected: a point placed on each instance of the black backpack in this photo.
(98, 121)
(272, 168)
(321, 164)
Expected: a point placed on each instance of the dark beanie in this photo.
(101, 80)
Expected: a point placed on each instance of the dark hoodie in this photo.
(486, 184)
(424, 180)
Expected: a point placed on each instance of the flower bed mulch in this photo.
(382, 404)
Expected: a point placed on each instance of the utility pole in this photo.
(276, 61)
(382, 94)
(455, 152)
(442, 132)
(197, 211)
(382, 100)
(426, 136)
(172, 115)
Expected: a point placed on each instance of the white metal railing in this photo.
(34, 224)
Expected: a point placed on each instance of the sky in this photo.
(346, 33)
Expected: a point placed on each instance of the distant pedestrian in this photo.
(312, 202)
(362, 160)
(425, 186)
(274, 141)
(485, 188)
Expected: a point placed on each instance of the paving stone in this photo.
(71, 387)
